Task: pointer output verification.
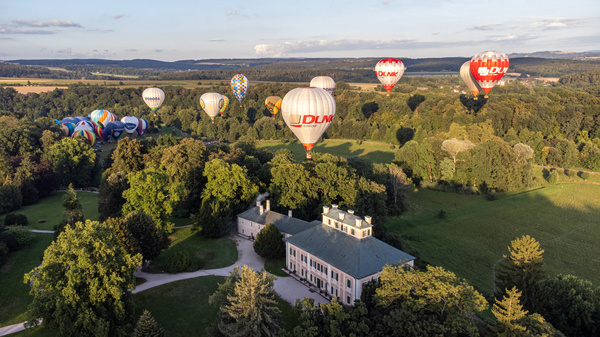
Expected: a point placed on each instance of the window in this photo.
(325, 271)
(292, 252)
(348, 300)
(349, 283)
(291, 266)
(334, 275)
(352, 231)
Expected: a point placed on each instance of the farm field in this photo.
(475, 233)
(376, 152)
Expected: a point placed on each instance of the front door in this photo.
(318, 283)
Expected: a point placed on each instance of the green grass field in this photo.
(376, 152)
(475, 232)
(51, 210)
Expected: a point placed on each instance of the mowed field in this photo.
(376, 152)
(475, 233)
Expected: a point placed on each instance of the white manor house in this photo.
(337, 255)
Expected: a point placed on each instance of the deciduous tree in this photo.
(73, 160)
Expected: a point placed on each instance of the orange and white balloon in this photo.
(308, 112)
(389, 71)
(323, 82)
(488, 67)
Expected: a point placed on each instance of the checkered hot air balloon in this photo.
(488, 67)
(239, 85)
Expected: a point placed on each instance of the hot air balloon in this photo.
(84, 125)
(56, 121)
(488, 67)
(153, 97)
(323, 82)
(212, 103)
(239, 85)
(467, 77)
(142, 127)
(111, 118)
(81, 118)
(68, 128)
(99, 116)
(86, 134)
(69, 120)
(100, 133)
(225, 104)
(308, 112)
(114, 129)
(273, 103)
(389, 71)
(130, 123)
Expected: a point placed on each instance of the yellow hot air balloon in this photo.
(273, 103)
(308, 112)
(212, 103)
(467, 77)
(225, 104)
(323, 82)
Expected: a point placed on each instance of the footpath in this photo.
(287, 288)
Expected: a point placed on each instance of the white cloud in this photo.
(118, 16)
(491, 26)
(551, 23)
(53, 23)
(507, 37)
(25, 31)
(217, 39)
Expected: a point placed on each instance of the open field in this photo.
(475, 232)
(51, 210)
(35, 89)
(16, 82)
(376, 152)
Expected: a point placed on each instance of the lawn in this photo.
(51, 209)
(274, 267)
(182, 308)
(211, 253)
(376, 152)
(475, 232)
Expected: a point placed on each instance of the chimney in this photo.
(257, 203)
(358, 223)
(342, 215)
(290, 213)
(261, 210)
(325, 210)
(334, 206)
(368, 219)
(268, 205)
(351, 211)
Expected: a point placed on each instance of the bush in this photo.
(13, 219)
(183, 262)
(553, 177)
(21, 234)
(585, 175)
(491, 195)
(4, 251)
(441, 214)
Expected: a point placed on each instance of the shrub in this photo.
(13, 219)
(21, 234)
(571, 173)
(183, 262)
(491, 195)
(553, 177)
(585, 175)
(441, 214)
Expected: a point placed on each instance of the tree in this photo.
(137, 233)
(148, 327)
(422, 303)
(73, 212)
(228, 191)
(128, 156)
(331, 319)
(10, 198)
(524, 152)
(73, 161)
(269, 243)
(83, 286)
(247, 304)
(454, 147)
(110, 196)
(572, 305)
(151, 193)
(523, 268)
(509, 312)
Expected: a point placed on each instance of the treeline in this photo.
(16, 70)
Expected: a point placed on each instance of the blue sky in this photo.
(200, 29)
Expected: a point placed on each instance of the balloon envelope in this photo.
(69, 120)
(389, 71)
(467, 77)
(99, 131)
(84, 125)
(324, 82)
(153, 97)
(130, 123)
(86, 134)
(100, 116)
(211, 103)
(114, 129)
(488, 67)
(308, 112)
(239, 85)
(68, 128)
(142, 126)
(273, 103)
(225, 104)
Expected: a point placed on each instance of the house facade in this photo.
(337, 255)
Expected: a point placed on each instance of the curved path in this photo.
(287, 287)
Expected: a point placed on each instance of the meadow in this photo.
(475, 233)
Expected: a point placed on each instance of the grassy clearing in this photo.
(274, 267)
(14, 294)
(51, 210)
(376, 152)
(212, 254)
(475, 232)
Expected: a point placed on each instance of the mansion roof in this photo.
(284, 223)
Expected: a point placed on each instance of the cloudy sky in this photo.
(204, 29)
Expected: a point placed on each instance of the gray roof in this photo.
(356, 257)
(349, 219)
(284, 223)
